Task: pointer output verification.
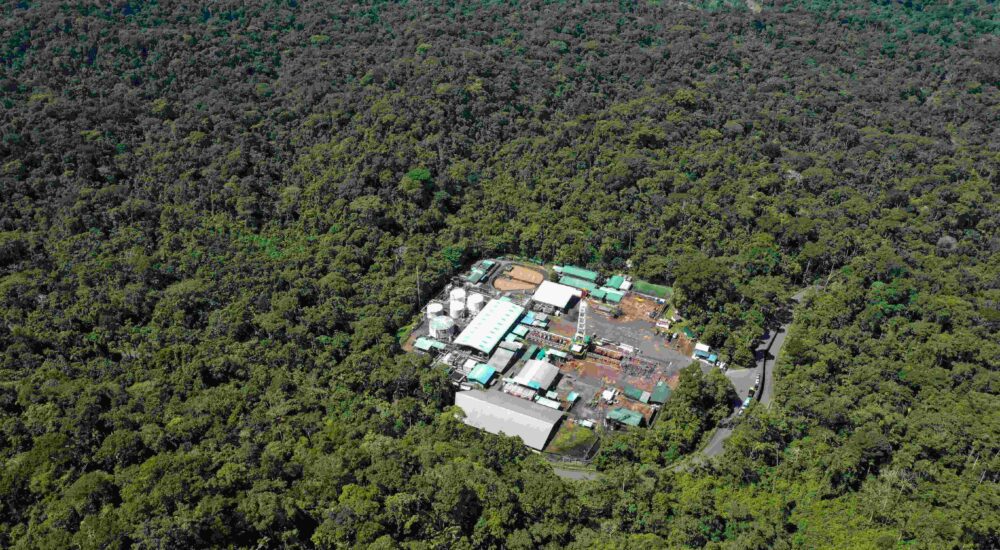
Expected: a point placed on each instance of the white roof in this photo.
(702, 347)
(498, 412)
(554, 294)
(512, 346)
(537, 374)
(490, 325)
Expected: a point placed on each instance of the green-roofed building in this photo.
(611, 295)
(615, 282)
(475, 275)
(625, 416)
(575, 282)
(481, 374)
(636, 394)
(689, 333)
(661, 392)
(428, 344)
(632, 392)
(580, 273)
(598, 294)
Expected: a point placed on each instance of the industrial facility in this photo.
(528, 346)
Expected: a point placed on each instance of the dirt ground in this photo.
(519, 278)
(408, 344)
(637, 308)
(526, 274)
(684, 345)
(593, 371)
(505, 285)
(562, 326)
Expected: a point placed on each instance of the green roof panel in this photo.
(660, 393)
(578, 283)
(612, 296)
(482, 373)
(427, 344)
(580, 273)
(625, 416)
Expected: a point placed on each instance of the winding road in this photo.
(768, 352)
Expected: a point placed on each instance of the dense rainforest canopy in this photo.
(218, 217)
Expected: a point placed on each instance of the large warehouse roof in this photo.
(537, 374)
(490, 325)
(554, 294)
(498, 412)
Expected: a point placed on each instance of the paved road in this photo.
(767, 390)
(768, 353)
(575, 474)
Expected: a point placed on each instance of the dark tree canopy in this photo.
(217, 221)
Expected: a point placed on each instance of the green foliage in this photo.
(695, 407)
(659, 291)
(217, 221)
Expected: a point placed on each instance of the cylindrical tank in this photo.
(434, 309)
(456, 309)
(441, 327)
(458, 294)
(475, 303)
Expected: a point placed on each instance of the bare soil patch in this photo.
(518, 278)
(505, 285)
(638, 308)
(685, 345)
(527, 275)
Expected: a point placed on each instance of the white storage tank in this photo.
(434, 309)
(442, 327)
(475, 303)
(458, 294)
(456, 309)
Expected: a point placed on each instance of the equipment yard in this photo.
(544, 360)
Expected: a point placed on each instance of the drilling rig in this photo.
(581, 341)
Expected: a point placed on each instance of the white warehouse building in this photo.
(500, 413)
(492, 323)
(555, 295)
